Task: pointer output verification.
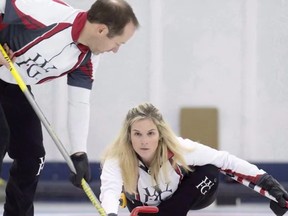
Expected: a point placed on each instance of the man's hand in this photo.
(276, 190)
(10, 53)
(81, 164)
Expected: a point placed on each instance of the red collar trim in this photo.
(170, 154)
(77, 27)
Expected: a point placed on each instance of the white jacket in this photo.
(111, 179)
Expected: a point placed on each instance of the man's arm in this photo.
(78, 118)
(78, 126)
(80, 84)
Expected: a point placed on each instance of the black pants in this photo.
(197, 190)
(21, 137)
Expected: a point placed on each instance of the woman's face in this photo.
(145, 139)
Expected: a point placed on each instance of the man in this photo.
(47, 39)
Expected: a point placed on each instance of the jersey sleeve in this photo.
(79, 89)
(201, 155)
(31, 12)
(111, 186)
(84, 75)
(78, 118)
(2, 7)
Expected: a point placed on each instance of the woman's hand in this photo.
(276, 190)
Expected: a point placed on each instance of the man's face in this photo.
(101, 43)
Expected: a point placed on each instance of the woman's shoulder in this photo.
(187, 143)
(111, 162)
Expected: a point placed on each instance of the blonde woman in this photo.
(154, 167)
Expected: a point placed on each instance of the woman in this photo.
(154, 167)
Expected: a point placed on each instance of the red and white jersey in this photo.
(151, 194)
(43, 35)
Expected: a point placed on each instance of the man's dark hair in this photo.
(115, 14)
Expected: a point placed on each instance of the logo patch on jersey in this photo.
(36, 66)
(205, 185)
(156, 194)
(41, 165)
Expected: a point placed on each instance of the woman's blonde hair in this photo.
(122, 149)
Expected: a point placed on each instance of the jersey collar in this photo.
(77, 27)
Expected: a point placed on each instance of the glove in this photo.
(82, 167)
(276, 190)
(279, 211)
